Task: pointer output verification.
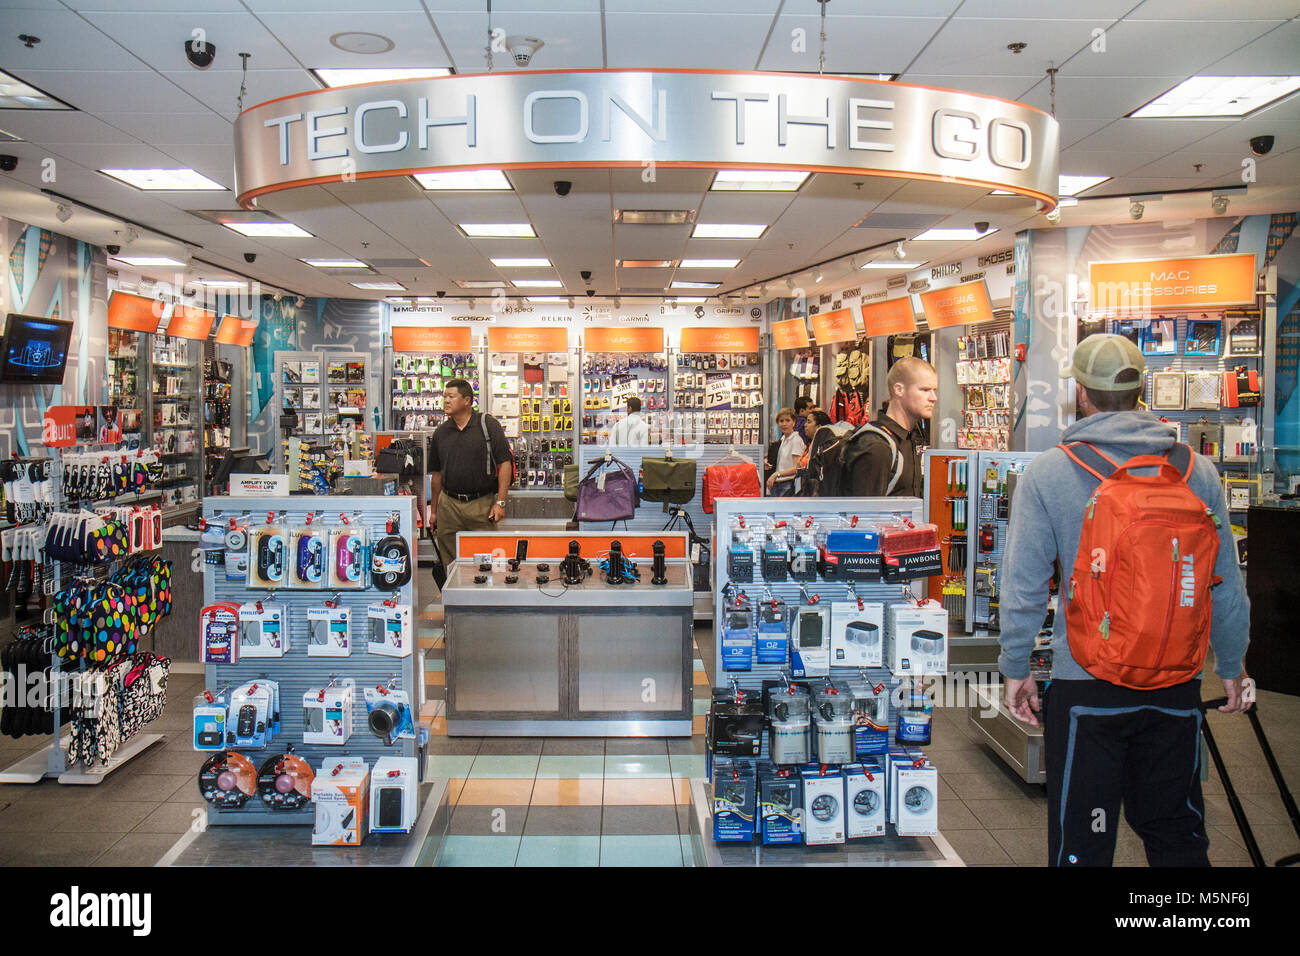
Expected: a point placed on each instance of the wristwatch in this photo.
(501, 502)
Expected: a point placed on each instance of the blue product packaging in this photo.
(738, 640)
(870, 718)
(773, 642)
(734, 800)
(915, 721)
(781, 807)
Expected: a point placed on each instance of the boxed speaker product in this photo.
(810, 651)
(735, 800)
(780, 801)
(341, 792)
(851, 555)
(394, 795)
(823, 800)
(327, 713)
(870, 717)
(917, 803)
(916, 638)
(390, 629)
(864, 800)
(262, 630)
(329, 631)
(210, 712)
(857, 634)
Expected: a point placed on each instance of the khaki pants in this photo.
(453, 516)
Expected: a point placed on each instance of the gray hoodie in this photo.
(1046, 520)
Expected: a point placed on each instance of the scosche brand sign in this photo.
(611, 118)
(1194, 282)
(957, 305)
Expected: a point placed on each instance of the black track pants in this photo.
(1106, 744)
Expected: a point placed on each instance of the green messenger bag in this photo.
(670, 480)
(572, 476)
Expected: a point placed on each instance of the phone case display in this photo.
(609, 379)
(289, 696)
(418, 380)
(126, 371)
(177, 405)
(947, 479)
(532, 395)
(988, 509)
(984, 375)
(217, 379)
(718, 398)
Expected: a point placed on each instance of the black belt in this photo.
(473, 496)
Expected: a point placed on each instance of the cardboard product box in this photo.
(897, 759)
(857, 634)
(735, 800)
(918, 800)
(341, 792)
(780, 803)
(823, 800)
(916, 639)
(870, 717)
(864, 800)
(395, 794)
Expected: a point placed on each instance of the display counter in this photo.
(528, 655)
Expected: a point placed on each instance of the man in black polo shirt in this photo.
(884, 456)
(470, 474)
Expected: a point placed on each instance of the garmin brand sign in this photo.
(636, 118)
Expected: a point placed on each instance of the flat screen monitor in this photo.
(35, 350)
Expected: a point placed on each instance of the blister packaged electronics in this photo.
(219, 633)
(738, 638)
(348, 557)
(388, 714)
(268, 557)
(735, 800)
(329, 631)
(389, 629)
(263, 630)
(253, 718)
(772, 642)
(309, 546)
(735, 723)
(327, 713)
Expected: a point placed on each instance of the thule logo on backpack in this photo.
(1188, 582)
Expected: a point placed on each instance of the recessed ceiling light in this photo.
(951, 235)
(537, 283)
(498, 230)
(679, 284)
(335, 263)
(895, 266)
(710, 263)
(466, 179)
(520, 263)
(17, 95)
(1073, 185)
(332, 76)
(397, 300)
(381, 286)
(646, 263)
(691, 299)
(149, 261)
(654, 217)
(163, 179)
(545, 298)
(725, 230)
(758, 180)
(480, 283)
(222, 283)
(269, 230)
(1200, 96)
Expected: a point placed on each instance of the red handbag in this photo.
(727, 479)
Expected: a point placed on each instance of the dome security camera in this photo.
(200, 53)
(586, 275)
(562, 187)
(441, 293)
(981, 227)
(899, 252)
(8, 163)
(523, 48)
(113, 249)
(1135, 210)
(1261, 145)
(591, 292)
(250, 257)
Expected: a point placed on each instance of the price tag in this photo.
(621, 393)
(717, 392)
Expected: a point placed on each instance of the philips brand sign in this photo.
(608, 118)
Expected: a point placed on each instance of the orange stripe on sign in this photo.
(719, 340)
(602, 339)
(891, 317)
(790, 334)
(963, 304)
(234, 332)
(191, 323)
(1193, 282)
(134, 312)
(417, 338)
(506, 339)
(837, 326)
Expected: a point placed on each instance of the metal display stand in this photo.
(297, 672)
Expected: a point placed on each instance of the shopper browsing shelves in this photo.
(1154, 581)
(884, 456)
(631, 430)
(781, 482)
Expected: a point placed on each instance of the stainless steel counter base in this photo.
(1019, 744)
(569, 728)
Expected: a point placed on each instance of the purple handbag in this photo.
(608, 493)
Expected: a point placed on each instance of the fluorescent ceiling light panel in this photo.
(498, 230)
(654, 217)
(17, 95)
(537, 283)
(335, 263)
(894, 266)
(759, 180)
(333, 76)
(1200, 96)
(952, 235)
(646, 263)
(466, 179)
(710, 263)
(381, 286)
(679, 284)
(546, 298)
(148, 261)
(691, 299)
(397, 300)
(157, 180)
(481, 283)
(728, 230)
(1073, 185)
(268, 230)
(521, 263)
(222, 283)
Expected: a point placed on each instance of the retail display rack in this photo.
(532, 395)
(417, 381)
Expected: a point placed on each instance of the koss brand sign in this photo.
(606, 118)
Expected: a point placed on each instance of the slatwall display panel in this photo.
(983, 507)
(296, 672)
(797, 511)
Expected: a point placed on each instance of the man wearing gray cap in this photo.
(1125, 727)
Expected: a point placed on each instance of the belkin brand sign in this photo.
(640, 118)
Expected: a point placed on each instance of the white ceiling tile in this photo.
(1074, 130)
(150, 6)
(1168, 49)
(215, 162)
(219, 90)
(1273, 54)
(53, 127)
(415, 41)
(344, 6)
(1281, 120)
(1096, 97)
(184, 128)
(1005, 87)
(572, 40)
(144, 90)
(1215, 10)
(1083, 162)
(979, 47)
(1180, 165)
(1150, 134)
(1045, 9)
(159, 39)
(480, 207)
(67, 43)
(650, 242)
(854, 44)
(766, 8)
(652, 40)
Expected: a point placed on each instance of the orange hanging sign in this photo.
(719, 340)
(419, 338)
(1195, 282)
(790, 334)
(506, 339)
(891, 317)
(837, 326)
(623, 340)
(191, 323)
(963, 304)
(236, 331)
(134, 312)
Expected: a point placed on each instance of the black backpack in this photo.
(837, 478)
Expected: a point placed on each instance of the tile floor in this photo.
(617, 802)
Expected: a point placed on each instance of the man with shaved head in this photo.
(884, 456)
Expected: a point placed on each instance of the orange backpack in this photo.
(1138, 602)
